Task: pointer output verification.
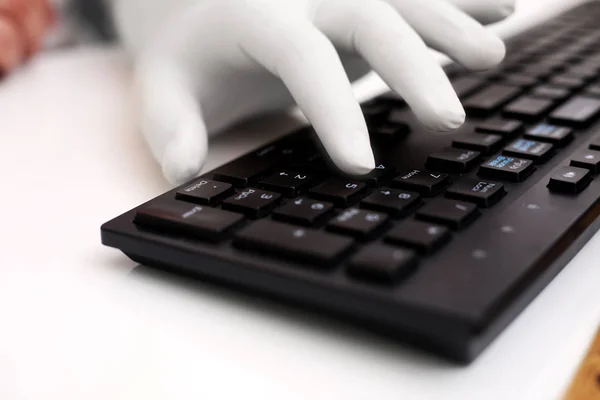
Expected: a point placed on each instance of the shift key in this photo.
(579, 112)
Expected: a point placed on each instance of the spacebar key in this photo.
(290, 241)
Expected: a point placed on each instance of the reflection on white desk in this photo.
(77, 323)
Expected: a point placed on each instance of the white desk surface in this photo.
(77, 323)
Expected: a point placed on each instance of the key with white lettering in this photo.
(205, 191)
(506, 168)
(254, 203)
(381, 174)
(482, 193)
(361, 224)
(570, 180)
(303, 211)
(397, 203)
(305, 244)
(533, 150)
(426, 183)
(188, 219)
(287, 182)
(338, 191)
(453, 160)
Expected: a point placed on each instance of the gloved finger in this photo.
(171, 119)
(451, 31)
(486, 11)
(310, 67)
(395, 51)
(11, 47)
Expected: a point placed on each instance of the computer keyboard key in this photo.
(338, 191)
(205, 191)
(383, 263)
(505, 168)
(522, 81)
(466, 85)
(583, 71)
(484, 143)
(579, 112)
(551, 92)
(453, 213)
(424, 182)
(557, 135)
(304, 244)
(539, 72)
(315, 164)
(483, 193)
(396, 203)
(595, 145)
(246, 170)
(528, 108)
(593, 90)
(500, 126)
(287, 182)
(538, 152)
(381, 174)
(570, 180)
(303, 211)
(254, 203)
(424, 237)
(453, 160)
(491, 98)
(589, 159)
(362, 224)
(181, 218)
(566, 81)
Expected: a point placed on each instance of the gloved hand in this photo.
(23, 25)
(203, 65)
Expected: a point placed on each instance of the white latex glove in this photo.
(203, 65)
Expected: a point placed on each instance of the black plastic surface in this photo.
(467, 287)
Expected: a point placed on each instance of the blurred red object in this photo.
(23, 26)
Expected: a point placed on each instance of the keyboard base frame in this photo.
(454, 343)
(458, 331)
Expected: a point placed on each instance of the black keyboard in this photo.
(446, 242)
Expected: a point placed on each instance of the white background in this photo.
(77, 323)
